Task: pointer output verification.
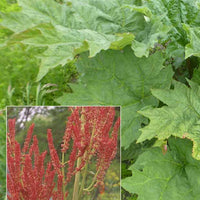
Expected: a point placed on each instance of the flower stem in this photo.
(90, 187)
(76, 182)
(77, 176)
(63, 174)
(83, 180)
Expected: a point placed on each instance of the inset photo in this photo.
(63, 153)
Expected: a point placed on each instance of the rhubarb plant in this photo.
(142, 55)
(93, 134)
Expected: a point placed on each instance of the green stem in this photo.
(83, 180)
(27, 93)
(76, 182)
(86, 166)
(63, 174)
(90, 187)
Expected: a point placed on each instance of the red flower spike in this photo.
(59, 187)
(54, 156)
(107, 149)
(35, 149)
(28, 179)
(102, 187)
(17, 161)
(11, 134)
(49, 182)
(25, 178)
(28, 138)
(71, 162)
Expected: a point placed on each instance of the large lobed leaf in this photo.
(119, 78)
(173, 176)
(81, 25)
(181, 116)
(94, 25)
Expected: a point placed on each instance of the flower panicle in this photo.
(71, 163)
(54, 156)
(49, 181)
(28, 138)
(106, 152)
(72, 128)
(11, 134)
(26, 178)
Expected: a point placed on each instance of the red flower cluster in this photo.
(26, 177)
(92, 132)
(89, 128)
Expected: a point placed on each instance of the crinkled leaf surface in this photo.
(153, 32)
(193, 47)
(119, 78)
(81, 25)
(175, 13)
(173, 176)
(196, 75)
(181, 116)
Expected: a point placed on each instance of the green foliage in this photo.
(19, 69)
(170, 176)
(2, 156)
(175, 14)
(181, 116)
(120, 78)
(109, 25)
(193, 48)
(14, 74)
(6, 6)
(196, 76)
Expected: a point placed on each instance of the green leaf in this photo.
(82, 25)
(196, 75)
(181, 116)
(193, 47)
(154, 31)
(8, 7)
(63, 47)
(69, 29)
(119, 78)
(173, 176)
